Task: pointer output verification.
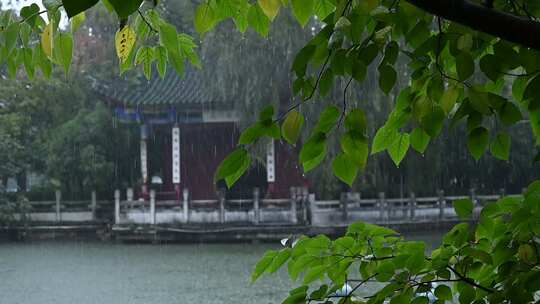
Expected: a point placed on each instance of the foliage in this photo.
(10, 208)
(56, 130)
(496, 261)
(77, 155)
(445, 84)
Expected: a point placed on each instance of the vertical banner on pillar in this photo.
(144, 159)
(176, 155)
(270, 162)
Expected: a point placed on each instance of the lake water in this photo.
(92, 272)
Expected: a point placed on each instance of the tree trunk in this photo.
(484, 19)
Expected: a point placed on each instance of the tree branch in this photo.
(469, 280)
(490, 21)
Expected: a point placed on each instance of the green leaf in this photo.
(326, 82)
(279, 260)
(490, 66)
(391, 53)
(443, 292)
(344, 169)
(258, 20)
(478, 141)
(500, 147)
(387, 78)
(358, 70)
(270, 8)
(263, 264)
(233, 166)
(292, 126)
(160, 52)
(419, 140)
(327, 120)
(10, 37)
(464, 65)
(43, 61)
(510, 114)
(433, 121)
(479, 100)
(251, 134)
(145, 56)
(356, 147)
(28, 62)
(383, 138)
(532, 93)
(299, 265)
(187, 47)
(399, 147)
(313, 152)
(77, 21)
(303, 10)
(177, 62)
(51, 4)
(29, 13)
(302, 59)
(356, 121)
(205, 18)
(323, 8)
(266, 115)
(124, 8)
(518, 87)
(74, 7)
(420, 300)
(449, 98)
(63, 50)
(168, 38)
(463, 208)
(314, 273)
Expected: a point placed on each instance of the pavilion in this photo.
(185, 132)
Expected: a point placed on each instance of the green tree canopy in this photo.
(467, 62)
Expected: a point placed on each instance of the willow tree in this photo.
(461, 55)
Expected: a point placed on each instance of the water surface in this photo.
(92, 273)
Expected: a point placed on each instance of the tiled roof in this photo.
(191, 90)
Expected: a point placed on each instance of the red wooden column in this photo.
(144, 161)
(176, 160)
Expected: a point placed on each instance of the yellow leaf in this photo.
(124, 42)
(47, 40)
(270, 8)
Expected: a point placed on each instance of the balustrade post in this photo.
(305, 206)
(153, 207)
(344, 203)
(93, 205)
(117, 207)
(502, 193)
(412, 205)
(472, 192)
(312, 203)
(129, 198)
(58, 198)
(221, 199)
(185, 204)
(442, 203)
(382, 203)
(294, 218)
(256, 207)
(129, 194)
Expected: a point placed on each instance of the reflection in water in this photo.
(88, 273)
